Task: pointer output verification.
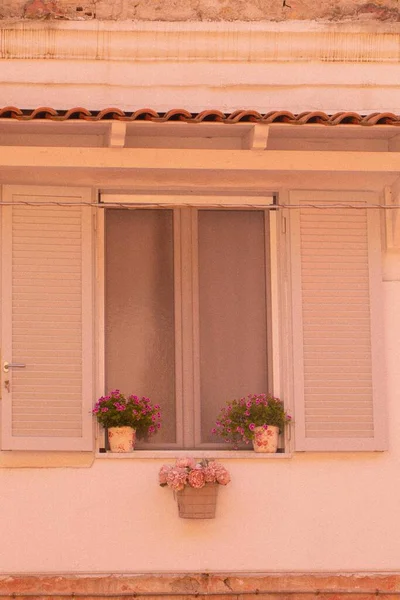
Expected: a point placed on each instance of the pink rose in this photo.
(223, 476)
(184, 463)
(196, 478)
(177, 478)
(162, 475)
(210, 472)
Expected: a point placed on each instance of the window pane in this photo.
(232, 310)
(140, 355)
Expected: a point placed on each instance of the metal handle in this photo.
(7, 366)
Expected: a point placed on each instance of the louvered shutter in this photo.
(337, 307)
(47, 319)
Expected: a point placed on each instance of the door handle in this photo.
(7, 366)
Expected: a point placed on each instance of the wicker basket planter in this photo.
(198, 503)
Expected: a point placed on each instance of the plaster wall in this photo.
(263, 66)
(203, 10)
(312, 512)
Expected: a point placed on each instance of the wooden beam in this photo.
(116, 134)
(257, 138)
(394, 143)
(124, 159)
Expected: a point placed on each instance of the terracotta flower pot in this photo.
(121, 439)
(266, 440)
(198, 503)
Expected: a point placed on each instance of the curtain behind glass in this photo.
(139, 333)
(232, 298)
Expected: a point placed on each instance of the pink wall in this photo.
(311, 512)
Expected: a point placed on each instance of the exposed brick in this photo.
(40, 9)
(378, 11)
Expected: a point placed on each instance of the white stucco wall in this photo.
(294, 66)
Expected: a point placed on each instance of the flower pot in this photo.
(121, 439)
(197, 503)
(266, 439)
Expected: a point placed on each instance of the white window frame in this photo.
(187, 371)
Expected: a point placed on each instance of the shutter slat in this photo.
(51, 432)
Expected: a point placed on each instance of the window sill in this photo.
(172, 454)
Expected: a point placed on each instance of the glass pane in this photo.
(139, 336)
(232, 310)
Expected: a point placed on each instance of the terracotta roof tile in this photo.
(213, 115)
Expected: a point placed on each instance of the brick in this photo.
(40, 9)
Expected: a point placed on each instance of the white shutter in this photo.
(337, 285)
(47, 319)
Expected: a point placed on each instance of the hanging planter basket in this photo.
(195, 485)
(198, 503)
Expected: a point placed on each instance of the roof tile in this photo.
(213, 115)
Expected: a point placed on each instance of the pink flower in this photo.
(187, 472)
(210, 472)
(223, 476)
(196, 478)
(184, 463)
(162, 475)
(177, 479)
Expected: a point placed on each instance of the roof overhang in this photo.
(246, 150)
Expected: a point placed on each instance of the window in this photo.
(201, 305)
(188, 312)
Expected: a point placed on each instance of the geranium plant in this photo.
(188, 472)
(237, 421)
(118, 410)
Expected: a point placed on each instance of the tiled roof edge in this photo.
(211, 115)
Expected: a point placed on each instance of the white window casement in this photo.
(188, 310)
(196, 302)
